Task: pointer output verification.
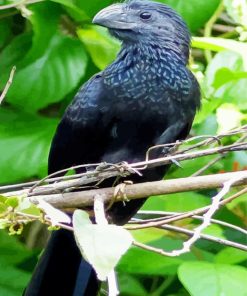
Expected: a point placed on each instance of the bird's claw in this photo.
(120, 190)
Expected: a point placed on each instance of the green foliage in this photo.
(213, 279)
(24, 141)
(13, 274)
(56, 49)
(196, 13)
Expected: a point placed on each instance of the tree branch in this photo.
(135, 191)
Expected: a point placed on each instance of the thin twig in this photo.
(207, 216)
(20, 3)
(187, 214)
(190, 233)
(175, 214)
(216, 159)
(8, 84)
(209, 26)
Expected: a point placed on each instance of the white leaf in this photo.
(56, 216)
(101, 245)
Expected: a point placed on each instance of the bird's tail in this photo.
(62, 271)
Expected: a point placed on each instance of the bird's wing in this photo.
(80, 129)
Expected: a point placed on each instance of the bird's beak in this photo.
(113, 17)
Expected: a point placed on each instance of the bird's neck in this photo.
(150, 52)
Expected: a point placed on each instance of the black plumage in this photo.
(147, 96)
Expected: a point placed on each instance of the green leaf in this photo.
(208, 107)
(203, 279)
(52, 76)
(227, 89)
(142, 262)
(91, 8)
(101, 245)
(13, 279)
(26, 207)
(44, 19)
(24, 145)
(5, 32)
(214, 230)
(231, 256)
(73, 9)
(12, 54)
(225, 75)
(3, 208)
(177, 202)
(129, 284)
(195, 12)
(97, 40)
(12, 201)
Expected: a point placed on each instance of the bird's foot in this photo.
(119, 192)
(103, 166)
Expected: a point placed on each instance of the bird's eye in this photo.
(145, 15)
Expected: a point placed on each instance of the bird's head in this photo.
(146, 22)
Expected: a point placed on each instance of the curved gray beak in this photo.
(113, 17)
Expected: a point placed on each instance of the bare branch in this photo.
(20, 3)
(135, 191)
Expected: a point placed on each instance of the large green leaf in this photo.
(12, 54)
(49, 69)
(24, 145)
(52, 76)
(44, 19)
(204, 279)
(195, 12)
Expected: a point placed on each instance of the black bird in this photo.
(147, 96)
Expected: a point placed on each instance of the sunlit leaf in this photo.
(101, 47)
(228, 117)
(237, 9)
(55, 216)
(102, 245)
